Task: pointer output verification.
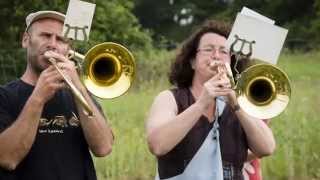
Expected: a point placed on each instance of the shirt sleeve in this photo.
(5, 118)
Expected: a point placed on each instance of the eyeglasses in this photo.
(210, 50)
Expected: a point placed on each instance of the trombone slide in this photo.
(74, 90)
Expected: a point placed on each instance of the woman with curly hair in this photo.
(197, 130)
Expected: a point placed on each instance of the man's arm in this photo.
(17, 140)
(97, 132)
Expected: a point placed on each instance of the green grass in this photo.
(296, 130)
(130, 158)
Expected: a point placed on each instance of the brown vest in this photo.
(232, 139)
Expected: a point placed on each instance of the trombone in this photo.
(107, 70)
(263, 90)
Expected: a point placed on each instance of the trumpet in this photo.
(107, 71)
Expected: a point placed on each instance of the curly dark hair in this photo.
(181, 73)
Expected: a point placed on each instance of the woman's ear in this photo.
(193, 63)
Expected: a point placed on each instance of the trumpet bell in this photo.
(108, 70)
(263, 91)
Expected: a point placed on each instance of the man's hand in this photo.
(67, 67)
(49, 82)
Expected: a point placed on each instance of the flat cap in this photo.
(32, 17)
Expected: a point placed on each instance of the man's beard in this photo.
(35, 65)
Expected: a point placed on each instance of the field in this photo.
(296, 130)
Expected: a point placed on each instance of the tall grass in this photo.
(297, 156)
(297, 129)
(130, 159)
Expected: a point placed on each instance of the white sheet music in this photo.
(77, 24)
(268, 38)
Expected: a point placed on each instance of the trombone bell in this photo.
(260, 91)
(107, 70)
(263, 91)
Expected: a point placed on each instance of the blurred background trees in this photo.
(113, 21)
(173, 19)
(135, 23)
(146, 26)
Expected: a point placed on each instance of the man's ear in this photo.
(25, 40)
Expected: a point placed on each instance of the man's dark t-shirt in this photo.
(59, 151)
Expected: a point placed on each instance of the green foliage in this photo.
(113, 21)
(11, 64)
(165, 18)
(13, 15)
(296, 130)
(300, 17)
(130, 158)
(315, 25)
(152, 66)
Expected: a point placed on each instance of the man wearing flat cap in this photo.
(45, 133)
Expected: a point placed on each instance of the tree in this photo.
(174, 19)
(315, 25)
(170, 18)
(113, 21)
